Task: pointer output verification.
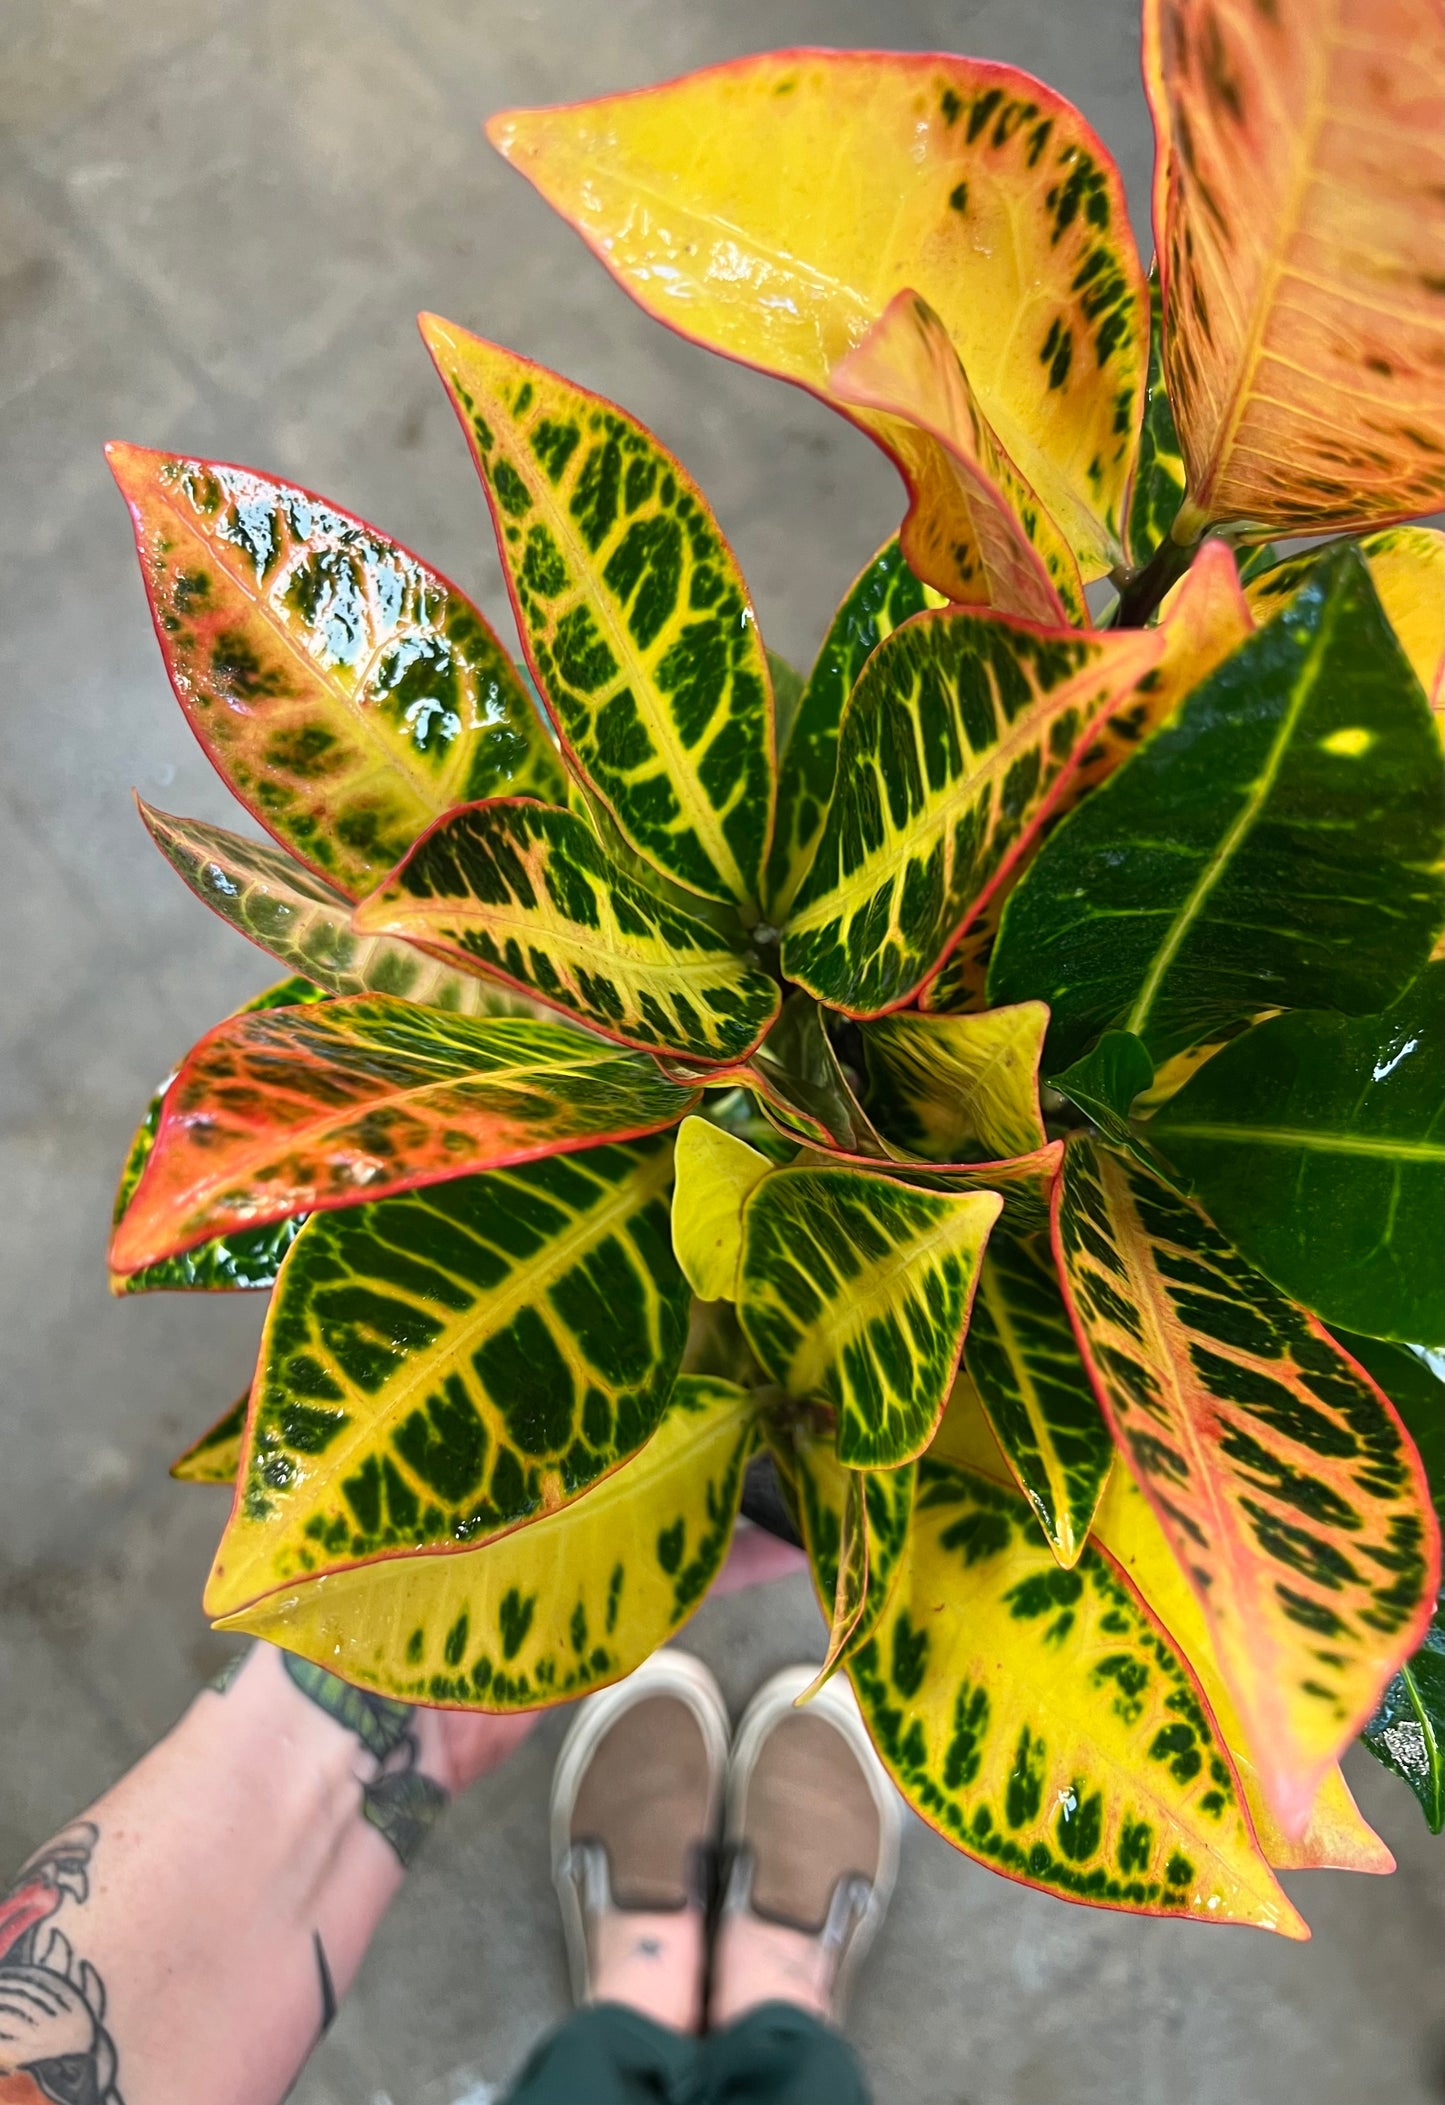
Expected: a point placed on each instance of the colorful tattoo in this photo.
(53, 2041)
(398, 1800)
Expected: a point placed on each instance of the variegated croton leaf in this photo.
(529, 894)
(1298, 204)
(632, 612)
(881, 597)
(958, 740)
(575, 1599)
(346, 693)
(299, 1110)
(1043, 1722)
(714, 1171)
(1407, 569)
(216, 1457)
(1280, 1474)
(857, 1289)
(281, 906)
(959, 1088)
(854, 1524)
(443, 1366)
(714, 201)
(975, 530)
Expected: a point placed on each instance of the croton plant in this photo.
(997, 1076)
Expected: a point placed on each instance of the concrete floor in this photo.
(216, 223)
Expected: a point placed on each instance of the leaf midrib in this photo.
(1316, 1142)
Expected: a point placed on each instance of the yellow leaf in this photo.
(1042, 1721)
(959, 1088)
(975, 530)
(570, 1603)
(714, 1173)
(772, 207)
(1337, 1838)
(1298, 200)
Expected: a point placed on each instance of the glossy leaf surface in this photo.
(975, 531)
(1407, 570)
(1125, 1530)
(883, 595)
(1025, 1365)
(1317, 1143)
(1105, 1082)
(347, 693)
(959, 739)
(575, 1600)
(298, 1110)
(856, 1288)
(1277, 842)
(631, 610)
(958, 1088)
(1279, 1473)
(444, 1366)
(714, 1173)
(529, 894)
(1158, 486)
(216, 1457)
(716, 202)
(278, 904)
(1041, 1720)
(1297, 209)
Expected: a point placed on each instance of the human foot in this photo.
(635, 1803)
(811, 1833)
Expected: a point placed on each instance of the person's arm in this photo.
(186, 1941)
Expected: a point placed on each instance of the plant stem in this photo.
(1141, 591)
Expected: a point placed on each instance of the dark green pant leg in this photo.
(608, 2055)
(779, 2055)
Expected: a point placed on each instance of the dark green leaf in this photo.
(1276, 843)
(1106, 1081)
(1317, 1142)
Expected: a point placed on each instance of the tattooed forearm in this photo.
(397, 1799)
(52, 2005)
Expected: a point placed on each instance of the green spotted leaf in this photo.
(714, 1173)
(1043, 1723)
(1317, 1143)
(857, 1289)
(632, 612)
(1281, 1477)
(529, 894)
(961, 736)
(571, 1602)
(883, 595)
(958, 1088)
(347, 693)
(1157, 490)
(1276, 843)
(249, 1258)
(216, 1456)
(1035, 1392)
(299, 1110)
(443, 1366)
(301, 921)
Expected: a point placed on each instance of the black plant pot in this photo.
(763, 1501)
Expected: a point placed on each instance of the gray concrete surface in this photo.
(216, 222)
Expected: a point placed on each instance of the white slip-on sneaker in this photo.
(811, 1823)
(636, 1798)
